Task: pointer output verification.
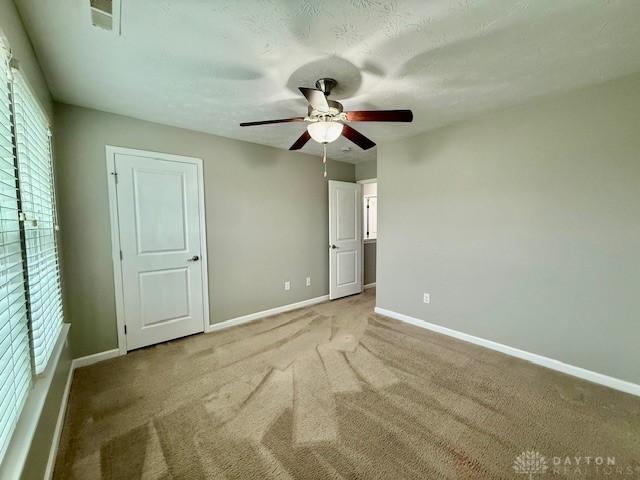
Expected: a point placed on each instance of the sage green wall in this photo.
(524, 225)
(13, 29)
(366, 170)
(266, 216)
(369, 267)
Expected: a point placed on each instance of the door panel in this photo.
(346, 263)
(159, 225)
(346, 213)
(345, 239)
(164, 296)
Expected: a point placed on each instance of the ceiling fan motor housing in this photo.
(326, 85)
(335, 109)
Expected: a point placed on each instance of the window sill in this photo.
(16, 455)
(370, 240)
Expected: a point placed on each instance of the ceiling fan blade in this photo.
(300, 142)
(357, 138)
(316, 98)
(380, 116)
(266, 122)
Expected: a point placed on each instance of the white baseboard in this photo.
(265, 313)
(57, 433)
(62, 412)
(370, 285)
(95, 358)
(547, 362)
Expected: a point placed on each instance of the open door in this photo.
(345, 239)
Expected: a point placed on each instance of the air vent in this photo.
(105, 14)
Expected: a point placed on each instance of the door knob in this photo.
(333, 247)
(195, 258)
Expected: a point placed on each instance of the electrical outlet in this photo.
(308, 281)
(287, 285)
(427, 298)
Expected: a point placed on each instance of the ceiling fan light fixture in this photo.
(325, 132)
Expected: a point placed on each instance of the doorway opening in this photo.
(369, 230)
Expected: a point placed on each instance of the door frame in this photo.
(111, 152)
(364, 242)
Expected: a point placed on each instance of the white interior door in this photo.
(345, 239)
(162, 247)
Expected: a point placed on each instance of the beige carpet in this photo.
(335, 391)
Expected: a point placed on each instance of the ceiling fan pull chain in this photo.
(324, 158)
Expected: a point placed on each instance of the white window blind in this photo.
(15, 365)
(35, 172)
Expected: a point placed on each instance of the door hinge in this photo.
(125, 329)
(115, 176)
(120, 255)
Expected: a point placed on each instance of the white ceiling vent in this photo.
(105, 14)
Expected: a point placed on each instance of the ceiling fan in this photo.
(327, 120)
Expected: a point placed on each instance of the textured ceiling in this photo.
(208, 65)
